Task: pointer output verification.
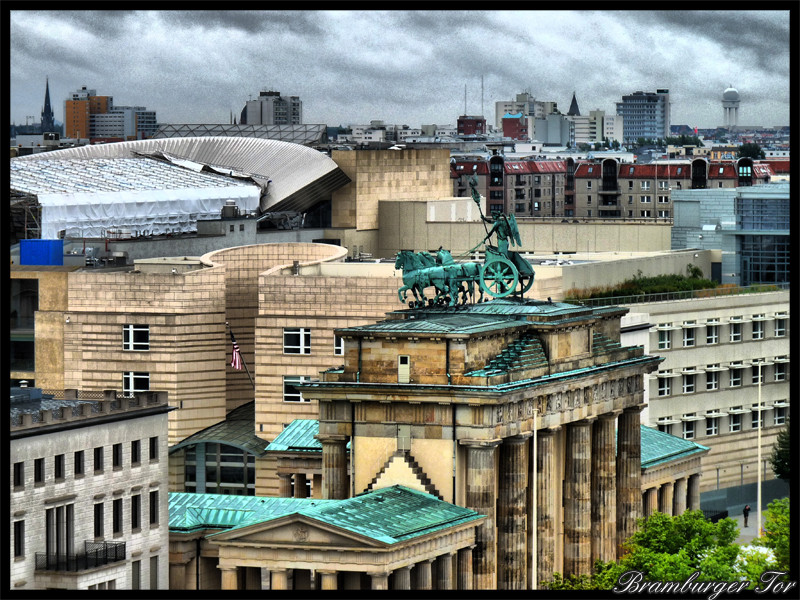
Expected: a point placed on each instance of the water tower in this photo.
(730, 105)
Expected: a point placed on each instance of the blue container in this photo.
(41, 252)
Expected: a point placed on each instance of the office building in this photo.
(87, 115)
(270, 108)
(645, 114)
(89, 495)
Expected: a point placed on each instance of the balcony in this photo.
(95, 554)
(606, 190)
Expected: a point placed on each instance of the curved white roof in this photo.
(299, 176)
(731, 94)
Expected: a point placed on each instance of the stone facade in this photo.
(61, 507)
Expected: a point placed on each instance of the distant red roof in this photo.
(778, 165)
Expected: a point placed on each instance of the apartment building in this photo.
(270, 108)
(89, 495)
(645, 115)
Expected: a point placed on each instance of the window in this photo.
(646, 199)
(712, 380)
(736, 377)
(292, 393)
(98, 459)
(136, 512)
(630, 183)
(736, 332)
(537, 206)
(38, 470)
(231, 228)
(780, 327)
(79, 463)
(630, 199)
(588, 185)
(645, 185)
(403, 369)
(116, 514)
(688, 384)
(664, 386)
(758, 374)
(241, 226)
(98, 520)
(688, 334)
(644, 213)
(135, 382)
(588, 199)
(735, 423)
(712, 334)
(19, 474)
(136, 574)
(154, 507)
(338, 345)
(154, 572)
(19, 538)
(58, 466)
(663, 199)
(780, 371)
(758, 330)
(136, 452)
(780, 415)
(136, 337)
(154, 448)
(297, 340)
(589, 213)
(756, 418)
(712, 425)
(663, 214)
(116, 456)
(688, 430)
(662, 185)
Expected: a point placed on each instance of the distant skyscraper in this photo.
(48, 118)
(270, 108)
(730, 107)
(645, 115)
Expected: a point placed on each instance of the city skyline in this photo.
(401, 67)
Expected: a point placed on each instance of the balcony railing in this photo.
(96, 554)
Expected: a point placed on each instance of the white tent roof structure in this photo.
(93, 198)
(298, 176)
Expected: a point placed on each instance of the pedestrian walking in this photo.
(746, 513)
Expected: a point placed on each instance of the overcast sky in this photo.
(401, 67)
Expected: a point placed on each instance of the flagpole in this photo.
(228, 325)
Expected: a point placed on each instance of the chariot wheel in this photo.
(526, 281)
(499, 277)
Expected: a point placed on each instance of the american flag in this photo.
(236, 356)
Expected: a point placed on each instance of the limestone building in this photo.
(464, 393)
(88, 490)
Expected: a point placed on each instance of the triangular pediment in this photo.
(294, 529)
(402, 469)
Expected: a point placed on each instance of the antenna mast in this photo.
(482, 113)
(465, 99)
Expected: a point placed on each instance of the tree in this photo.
(750, 150)
(781, 457)
(776, 532)
(667, 548)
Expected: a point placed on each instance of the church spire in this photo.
(48, 119)
(573, 108)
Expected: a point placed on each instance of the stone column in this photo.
(444, 571)
(280, 579)
(230, 580)
(465, 568)
(422, 573)
(512, 520)
(334, 467)
(265, 579)
(402, 578)
(284, 485)
(577, 499)
(604, 489)
(665, 498)
(177, 576)
(300, 485)
(380, 581)
(693, 495)
(481, 497)
(327, 580)
(679, 498)
(629, 474)
(545, 542)
(650, 501)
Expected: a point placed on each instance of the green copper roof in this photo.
(437, 322)
(238, 429)
(659, 447)
(193, 512)
(298, 436)
(388, 515)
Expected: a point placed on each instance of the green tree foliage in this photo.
(776, 532)
(667, 548)
(781, 458)
(750, 151)
(638, 285)
(684, 140)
